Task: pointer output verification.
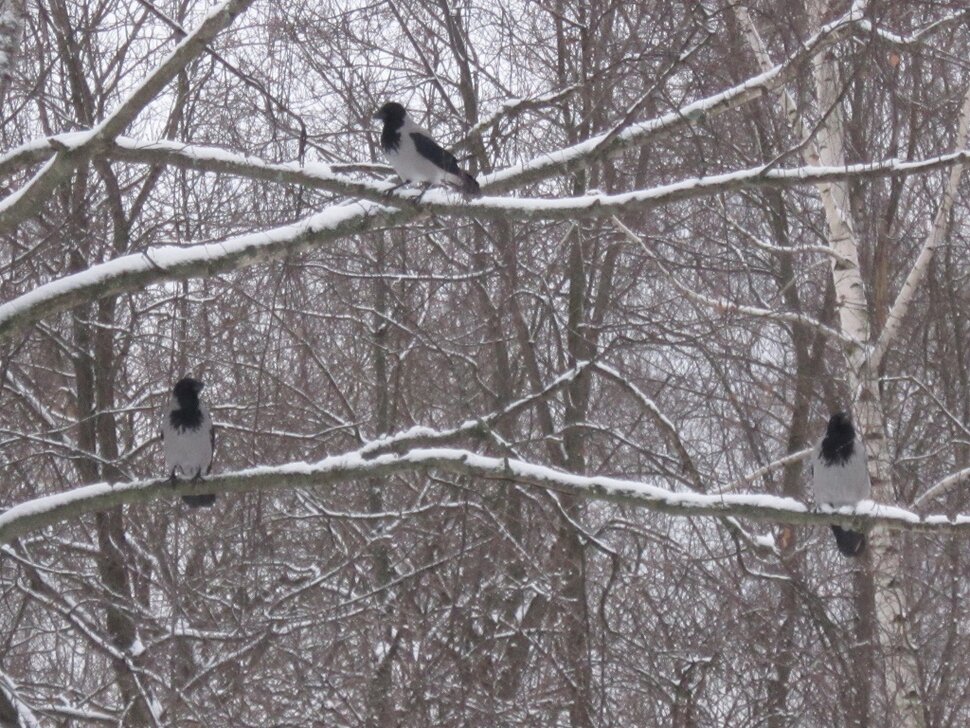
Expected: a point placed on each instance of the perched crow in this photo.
(189, 439)
(415, 156)
(840, 477)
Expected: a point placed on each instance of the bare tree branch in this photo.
(23, 203)
(42, 512)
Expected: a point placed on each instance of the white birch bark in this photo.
(11, 33)
(861, 370)
(934, 239)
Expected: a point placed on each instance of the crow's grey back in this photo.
(841, 484)
(188, 451)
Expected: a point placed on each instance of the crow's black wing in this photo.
(429, 149)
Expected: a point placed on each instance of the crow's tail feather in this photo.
(850, 543)
(206, 500)
(470, 185)
(464, 183)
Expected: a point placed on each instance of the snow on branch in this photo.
(167, 263)
(917, 38)
(944, 486)
(49, 510)
(934, 239)
(320, 176)
(170, 263)
(13, 706)
(20, 205)
(635, 135)
(314, 175)
(481, 427)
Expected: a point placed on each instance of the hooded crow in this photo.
(840, 477)
(189, 439)
(415, 156)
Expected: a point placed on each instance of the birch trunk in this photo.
(862, 375)
(12, 14)
(892, 616)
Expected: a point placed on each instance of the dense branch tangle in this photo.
(121, 276)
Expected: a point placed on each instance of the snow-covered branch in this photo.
(48, 510)
(13, 707)
(313, 175)
(943, 486)
(635, 135)
(19, 205)
(170, 263)
(425, 437)
(321, 176)
(325, 178)
(795, 457)
(934, 239)
(916, 38)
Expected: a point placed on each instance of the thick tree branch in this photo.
(339, 469)
(934, 239)
(169, 263)
(321, 177)
(23, 203)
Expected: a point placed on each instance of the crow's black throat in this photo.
(186, 418)
(390, 138)
(839, 441)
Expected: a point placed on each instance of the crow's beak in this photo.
(379, 116)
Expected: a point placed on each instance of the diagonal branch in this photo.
(481, 427)
(943, 486)
(14, 710)
(172, 263)
(659, 419)
(934, 239)
(580, 155)
(20, 205)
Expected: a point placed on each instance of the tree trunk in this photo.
(12, 13)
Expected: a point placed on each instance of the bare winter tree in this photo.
(533, 458)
